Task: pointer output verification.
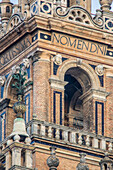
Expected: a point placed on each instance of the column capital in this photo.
(40, 56)
(36, 56)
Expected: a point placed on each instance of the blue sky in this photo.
(95, 5)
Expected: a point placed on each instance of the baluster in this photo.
(73, 137)
(57, 134)
(50, 132)
(34, 129)
(110, 146)
(87, 140)
(80, 139)
(65, 136)
(103, 144)
(95, 142)
(42, 130)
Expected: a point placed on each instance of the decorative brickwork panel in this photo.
(88, 113)
(57, 108)
(99, 118)
(109, 108)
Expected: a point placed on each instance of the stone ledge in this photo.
(16, 167)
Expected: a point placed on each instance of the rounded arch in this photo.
(7, 83)
(78, 100)
(8, 91)
(85, 67)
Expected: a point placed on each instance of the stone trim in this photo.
(96, 94)
(57, 84)
(4, 103)
(73, 63)
(16, 167)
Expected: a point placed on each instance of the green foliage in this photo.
(19, 80)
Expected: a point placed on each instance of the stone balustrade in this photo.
(68, 135)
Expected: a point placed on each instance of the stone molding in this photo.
(95, 94)
(56, 83)
(4, 104)
(73, 63)
(36, 57)
(40, 56)
(16, 167)
(79, 14)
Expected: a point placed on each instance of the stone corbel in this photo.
(56, 83)
(40, 55)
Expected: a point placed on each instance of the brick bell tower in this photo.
(56, 85)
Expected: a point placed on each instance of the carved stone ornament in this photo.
(82, 165)
(106, 161)
(99, 70)
(2, 80)
(52, 160)
(14, 69)
(26, 62)
(79, 61)
(79, 14)
(98, 17)
(105, 4)
(57, 59)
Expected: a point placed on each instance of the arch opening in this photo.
(78, 84)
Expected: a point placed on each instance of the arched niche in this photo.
(78, 84)
(88, 69)
(10, 93)
(80, 107)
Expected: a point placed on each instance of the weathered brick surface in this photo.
(66, 162)
(88, 113)
(41, 71)
(109, 108)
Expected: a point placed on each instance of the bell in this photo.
(19, 128)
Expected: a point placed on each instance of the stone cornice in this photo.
(18, 145)
(54, 24)
(95, 94)
(57, 84)
(16, 167)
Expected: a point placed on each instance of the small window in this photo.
(8, 9)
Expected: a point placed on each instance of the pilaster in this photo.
(28, 158)
(57, 100)
(16, 156)
(8, 160)
(41, 72)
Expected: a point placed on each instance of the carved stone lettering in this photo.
(14, 51)
(79, 44)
